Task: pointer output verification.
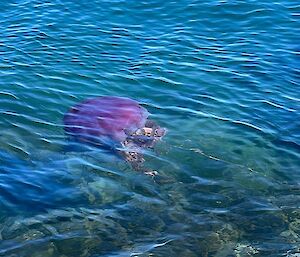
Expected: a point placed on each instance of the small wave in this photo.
(167, 81)
(277, 105)
(9, 94)
(19, 149)
(247, 124)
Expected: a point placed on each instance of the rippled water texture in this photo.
(221, 76)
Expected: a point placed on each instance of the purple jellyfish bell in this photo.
(105, 120)
(118, 123)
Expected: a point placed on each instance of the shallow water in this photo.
(221, 76)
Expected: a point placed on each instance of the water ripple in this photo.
(221, 76)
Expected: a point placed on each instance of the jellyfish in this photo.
(117, 123)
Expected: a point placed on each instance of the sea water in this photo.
(221, 76)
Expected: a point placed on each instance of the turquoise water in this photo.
(221, 76)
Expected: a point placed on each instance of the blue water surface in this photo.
(221, 76)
